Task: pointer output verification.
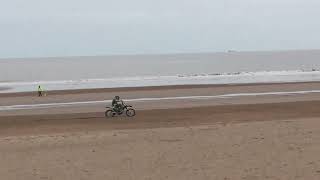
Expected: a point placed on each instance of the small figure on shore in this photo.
(40, 91)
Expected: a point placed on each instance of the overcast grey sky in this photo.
(40, 28)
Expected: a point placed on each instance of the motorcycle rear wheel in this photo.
(109, 113)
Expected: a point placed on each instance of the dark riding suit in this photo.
(117, 105)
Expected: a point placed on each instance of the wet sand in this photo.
(161, 88)
(256, 137)
(4, 88)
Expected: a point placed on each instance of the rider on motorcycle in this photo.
(117, 104)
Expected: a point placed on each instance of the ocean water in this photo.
(19, 75)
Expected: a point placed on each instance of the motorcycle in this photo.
(127, 109)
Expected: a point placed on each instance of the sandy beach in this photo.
(212, 90)
(228, 132)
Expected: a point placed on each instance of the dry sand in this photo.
(268, 137)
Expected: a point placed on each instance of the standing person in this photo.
(40, 91)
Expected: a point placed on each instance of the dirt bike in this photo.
(127, 109)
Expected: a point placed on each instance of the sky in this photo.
(46, 28)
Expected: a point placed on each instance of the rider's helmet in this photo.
(117, 97)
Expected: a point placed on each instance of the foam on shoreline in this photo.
(188, 79)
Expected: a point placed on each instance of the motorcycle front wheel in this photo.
(130, 112)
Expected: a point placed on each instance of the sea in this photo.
(62, 73)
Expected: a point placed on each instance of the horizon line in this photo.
(163, 54)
